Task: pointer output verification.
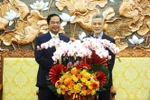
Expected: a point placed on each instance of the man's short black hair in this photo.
(52, 15)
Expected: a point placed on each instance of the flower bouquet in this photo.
(81, 82)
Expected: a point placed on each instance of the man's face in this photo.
(54, 24)
(97, 25)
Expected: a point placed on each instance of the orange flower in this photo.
(86, 75)
(67, 81)
(63, 91)
(72, 83)
(88, 92)
(84, 87)
(74, 70)
(79, 76)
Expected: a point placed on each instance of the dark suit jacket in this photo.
(44, 57)
(110, 62)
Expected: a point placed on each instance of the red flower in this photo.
(59, 82)
(55, 72)
(95, 85)
(95, 59)
(101, 77)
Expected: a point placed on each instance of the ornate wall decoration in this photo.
(137, 11)
(118, 27)
(135, 52)
(108, 13)
(21, 7)
(132, 19)
(19, 53)
(25, 30)
(17, 6)
(3, 23)
(24, 33)
(145, 28)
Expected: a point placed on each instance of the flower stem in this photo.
(50, 4)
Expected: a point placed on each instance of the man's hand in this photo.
(69, 65)
(76, 63)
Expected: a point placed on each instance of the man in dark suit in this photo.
(97, 26)
(44, 57)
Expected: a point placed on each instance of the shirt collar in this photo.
(100, 35)
(52, 34)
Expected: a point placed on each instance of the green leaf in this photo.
(50, 85)
(102, 89)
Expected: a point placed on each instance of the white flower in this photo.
(64, 47)
(11, 15)
(39, 5)
(38, 47)
(102, 53)
(136, 40)
(111, 0)
(82, 35)
(57, 55)
(80, 48)
(66, 18)
(44, 46)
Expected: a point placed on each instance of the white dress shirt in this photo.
(99, 36)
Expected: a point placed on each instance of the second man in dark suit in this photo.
(97, 26)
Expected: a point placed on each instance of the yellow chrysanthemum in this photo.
(83, 92)
(83, 71)
(90, 87)
(93, 92)
(58, 90)
(77, 87)
(88, 83)
(74, 78)
(63, 86)
(84, 80)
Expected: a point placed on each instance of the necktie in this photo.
(96, 37)
(55, 36)
(60, 60)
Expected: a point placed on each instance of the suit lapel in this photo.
(60, 37)
(48, 36)
(104, 36)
